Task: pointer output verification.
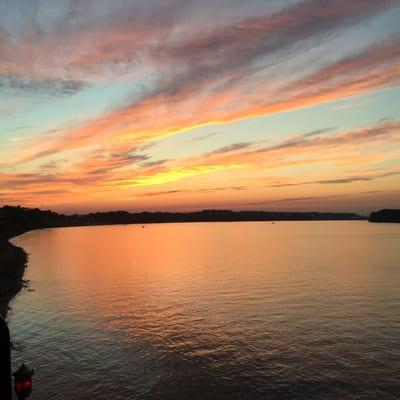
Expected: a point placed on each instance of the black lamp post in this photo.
(23, 382)
(22, 377)
(5, 361)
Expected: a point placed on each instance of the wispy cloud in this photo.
(318, 132)
(183, 72)
(126, 167)
(363, 135)
(47, 87)
(200, 138)
(319, 145)
(349, 77)
(219, 74)
(230, 148)
(197, 190)
(172, 174)
(155, 163)
(340, 181)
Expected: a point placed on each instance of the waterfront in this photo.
(292, 310)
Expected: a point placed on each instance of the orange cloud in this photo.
(172, 175)
(196, 76)
(157, 116)
(104, 174)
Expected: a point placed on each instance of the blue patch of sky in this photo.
(345, 114)
(40, 115)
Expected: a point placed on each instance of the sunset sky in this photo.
(197, 104)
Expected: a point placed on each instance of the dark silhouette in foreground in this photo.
(5, 361)
(13, 262)
(385, 216)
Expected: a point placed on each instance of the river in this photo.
(257, 310)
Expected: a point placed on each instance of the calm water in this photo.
(292, 310)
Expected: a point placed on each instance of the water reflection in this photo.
(212, 311)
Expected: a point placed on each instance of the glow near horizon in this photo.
(159, 105)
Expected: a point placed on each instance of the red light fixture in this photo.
(23, 382)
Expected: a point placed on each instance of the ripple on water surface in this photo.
(294, 310)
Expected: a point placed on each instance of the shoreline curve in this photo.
(13, 262)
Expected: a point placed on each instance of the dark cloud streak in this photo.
(339, 181)
(230, 148)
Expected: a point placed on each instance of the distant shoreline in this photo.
(385, 216)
